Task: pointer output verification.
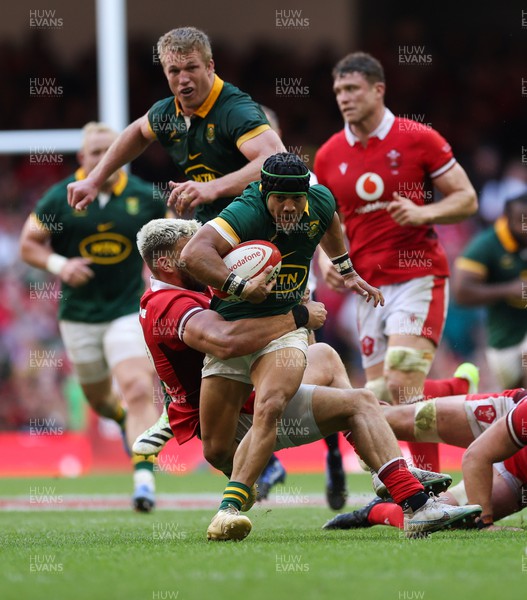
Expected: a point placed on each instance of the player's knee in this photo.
(425, 422)
(405, 366)
(379, 389)
(408, 360)
(217, 454)
(138, 391)
(268, 409)
(469, 457)
(365, 400)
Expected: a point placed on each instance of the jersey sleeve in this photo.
(477, 256)
(162, 119)
(326, 205)
(245, 120)
(48, 209)
(516, 420)
(319, 167)
(242, 220)
(179, 312)
(437, 155)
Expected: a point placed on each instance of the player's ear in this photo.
(380, 88)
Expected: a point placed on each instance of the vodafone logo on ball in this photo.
(369, 186)
(255, 258)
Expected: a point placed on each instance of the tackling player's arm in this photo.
(494, 445)
(36, 250)
(459, 202)
(132, 142)
(332, 243)
(207, 331)
(189, 194)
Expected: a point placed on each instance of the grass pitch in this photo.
(117, 554)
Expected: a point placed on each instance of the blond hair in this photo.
(96, 127)
(183, 41)
(161, 235)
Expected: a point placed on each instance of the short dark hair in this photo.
(521, 199)
(360, 62)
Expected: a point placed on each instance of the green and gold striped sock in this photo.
(235, 494)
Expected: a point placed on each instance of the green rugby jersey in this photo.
(495, 255)
(107, 236)
(247, 218)
(209, 148)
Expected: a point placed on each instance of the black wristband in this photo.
(227, 283)
(343, 264)
(300, 315)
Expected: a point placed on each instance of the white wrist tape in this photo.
(55, 263)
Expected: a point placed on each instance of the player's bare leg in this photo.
(438, 420)
(360, 413)
(135, 380)
(220, 407)
(492, 446)
(407, 362)
(276, 377)
(325, 367)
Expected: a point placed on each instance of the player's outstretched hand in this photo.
(354, 281)
(257, 289)
(81, 193)
(317, 314)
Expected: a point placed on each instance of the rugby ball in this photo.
(249, 259)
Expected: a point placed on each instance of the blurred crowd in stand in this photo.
(471, 91)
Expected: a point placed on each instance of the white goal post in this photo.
(112, 79)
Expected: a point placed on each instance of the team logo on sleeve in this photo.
(369, 186)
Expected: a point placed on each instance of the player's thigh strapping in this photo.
(416, 307)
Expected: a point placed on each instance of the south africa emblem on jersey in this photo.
(211, 133)
(132, 205)
(314, 227)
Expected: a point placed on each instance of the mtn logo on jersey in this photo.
(369, 187)
(105, 248)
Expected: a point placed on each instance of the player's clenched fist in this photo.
(81, 193)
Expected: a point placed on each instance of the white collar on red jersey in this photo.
(381, 131)
(156, 285)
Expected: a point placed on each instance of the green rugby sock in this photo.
(235, 494)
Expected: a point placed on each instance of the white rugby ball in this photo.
(249, 259)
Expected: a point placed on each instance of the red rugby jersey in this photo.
(165, 310)
(401, 156)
